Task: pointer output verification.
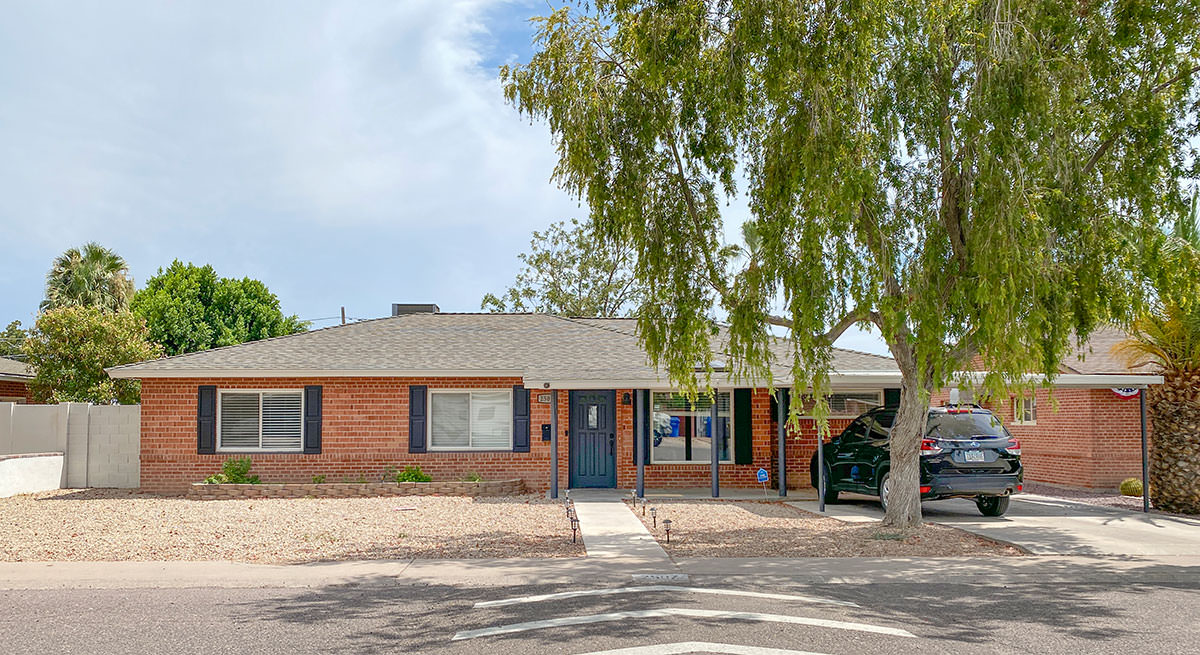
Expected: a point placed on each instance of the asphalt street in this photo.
(745, 615)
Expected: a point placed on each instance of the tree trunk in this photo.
(1175, 455)
(904, 499)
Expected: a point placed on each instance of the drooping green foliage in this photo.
(70, 347)
(12, 340)
(93, 276)
(189, 308)
(572, 271)
(975, 179)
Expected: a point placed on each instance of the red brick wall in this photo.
(364, 431)
(11, 389)
(1092, 439)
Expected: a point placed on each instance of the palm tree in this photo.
(1168, 338)
(93, 276)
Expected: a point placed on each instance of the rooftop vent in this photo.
(399, 308)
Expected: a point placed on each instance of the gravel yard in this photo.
(106, 524)
(761, 529)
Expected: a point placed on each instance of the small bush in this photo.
(413, 474)
(318, 479)
(471, 477)
(1131, 487)
(234, 471)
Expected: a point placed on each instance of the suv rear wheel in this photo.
(885, 489)
(992, 505)
(831, 494)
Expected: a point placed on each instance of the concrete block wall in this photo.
(100, 443)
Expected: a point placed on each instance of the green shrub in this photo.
(1131, 487)
(234, 471)
(318, 479)
(412, 474)
(471, 477)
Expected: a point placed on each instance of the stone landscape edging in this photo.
(203, 491)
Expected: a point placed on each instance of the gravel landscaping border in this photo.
(771, 529)
(116, 524)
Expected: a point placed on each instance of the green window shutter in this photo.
(891, 397)
(743, 427)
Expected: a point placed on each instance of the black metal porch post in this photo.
(781, 417)
(640, 432)
(1145, 458)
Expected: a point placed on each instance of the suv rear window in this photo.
(949, 426)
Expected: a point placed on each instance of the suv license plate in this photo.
(972, 455)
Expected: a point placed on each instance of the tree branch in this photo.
(1108, 143)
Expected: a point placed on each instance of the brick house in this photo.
(554, 401)
(14, 381)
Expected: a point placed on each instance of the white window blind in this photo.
(261, 420)
(480, 420)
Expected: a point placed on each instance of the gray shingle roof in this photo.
(11, 368)
(1097, 356)
(535, 346)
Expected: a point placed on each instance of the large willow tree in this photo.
(972, 178)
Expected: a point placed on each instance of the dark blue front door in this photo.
(593, 440)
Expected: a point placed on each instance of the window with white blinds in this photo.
(470, 420)
(260, 420)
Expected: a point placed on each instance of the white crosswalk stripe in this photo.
(684, 647)
(519, 600)
(677, 612)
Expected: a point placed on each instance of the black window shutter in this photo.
(312, 419)
(891, 397)
(417, 418)
(644, 408)
(520, 419)
(206, 419)
(743, 427)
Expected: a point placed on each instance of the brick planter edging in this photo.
(201, 491)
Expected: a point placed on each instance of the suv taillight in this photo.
(930, 447)
(1013, 447)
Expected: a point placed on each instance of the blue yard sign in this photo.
(762, 475)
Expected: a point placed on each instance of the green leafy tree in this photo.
(93, 276)
(571, 270)
(70, 347)
(972, 178)
(12, 340)
(189, 308)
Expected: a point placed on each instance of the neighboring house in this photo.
(1081, 437)
(14, 381)
(472, 393)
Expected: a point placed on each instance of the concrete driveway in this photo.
(1049, 526)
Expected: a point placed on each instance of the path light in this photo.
(654, 516)
(643, 507)
(667, 525)
(574, 528)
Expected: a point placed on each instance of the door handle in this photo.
(612, 443)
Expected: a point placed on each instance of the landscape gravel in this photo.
(108, 524)
(771, 529)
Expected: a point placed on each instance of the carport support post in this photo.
(1145, 459)
(714, 450)
(554, 443)
(781, 417)
(641, 428)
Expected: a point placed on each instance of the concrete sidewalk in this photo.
(612, 533)
(592, 573)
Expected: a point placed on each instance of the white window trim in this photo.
(1018, 415)
(878, 392)
(222, 449)
(732, 436)
(468, 448)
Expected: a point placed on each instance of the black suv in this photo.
(966, 453)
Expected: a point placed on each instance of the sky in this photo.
(348, 154)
